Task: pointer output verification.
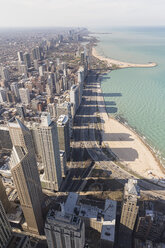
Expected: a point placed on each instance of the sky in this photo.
(86, 13)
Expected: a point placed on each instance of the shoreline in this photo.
(143, 139)
(120, 64)
(143, 159)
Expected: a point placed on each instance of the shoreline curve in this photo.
(120, 64)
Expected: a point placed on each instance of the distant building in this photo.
(15, 90)
(27, 60)
(36, 66)
(41, 70)
(21, 110)
(52, 110)
(64, 230)
(75, 98)
(3, 95)
(130, 206)
(23, 69)
(20, 56)
(24, 95)
(24, 171)
(65, 109)
(5, 74)
(63, 134)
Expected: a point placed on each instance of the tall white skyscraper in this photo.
(48, 144)
(20, 56)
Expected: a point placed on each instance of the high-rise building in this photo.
(64, 230)
(23, 69)
(25, 175)
(49, 86)
(20, 56)
(15, 90)
(38, 52)
(130, 206)
(24, 95)
(41, 70)
(5, 228)
(5, 74)
(75, 98)
(36, 66)
(63, 134)
(52, 109)
(34, 55)
(65, 109)
(50, 154)
(27, 60)
(3, 95)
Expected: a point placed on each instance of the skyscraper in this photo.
(14, 89)
(5, 228)
(5, 74)
(48, 143)
(63, 134)
(20, 56)
(75, 98)
(130, 206)
(27, 60)
(3, 95)
(25, 175)
(24, 95)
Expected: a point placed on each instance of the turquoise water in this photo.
(141, 91)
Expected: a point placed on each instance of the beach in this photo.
(127, 145)
(110, 62)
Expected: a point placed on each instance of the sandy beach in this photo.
(128, 146)
(120, 64)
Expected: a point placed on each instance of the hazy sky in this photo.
(90, 13)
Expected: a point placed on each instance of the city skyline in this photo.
(91, 13)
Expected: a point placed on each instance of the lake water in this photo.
(137, 94)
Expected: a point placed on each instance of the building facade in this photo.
(24, 170)
(64, 230)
